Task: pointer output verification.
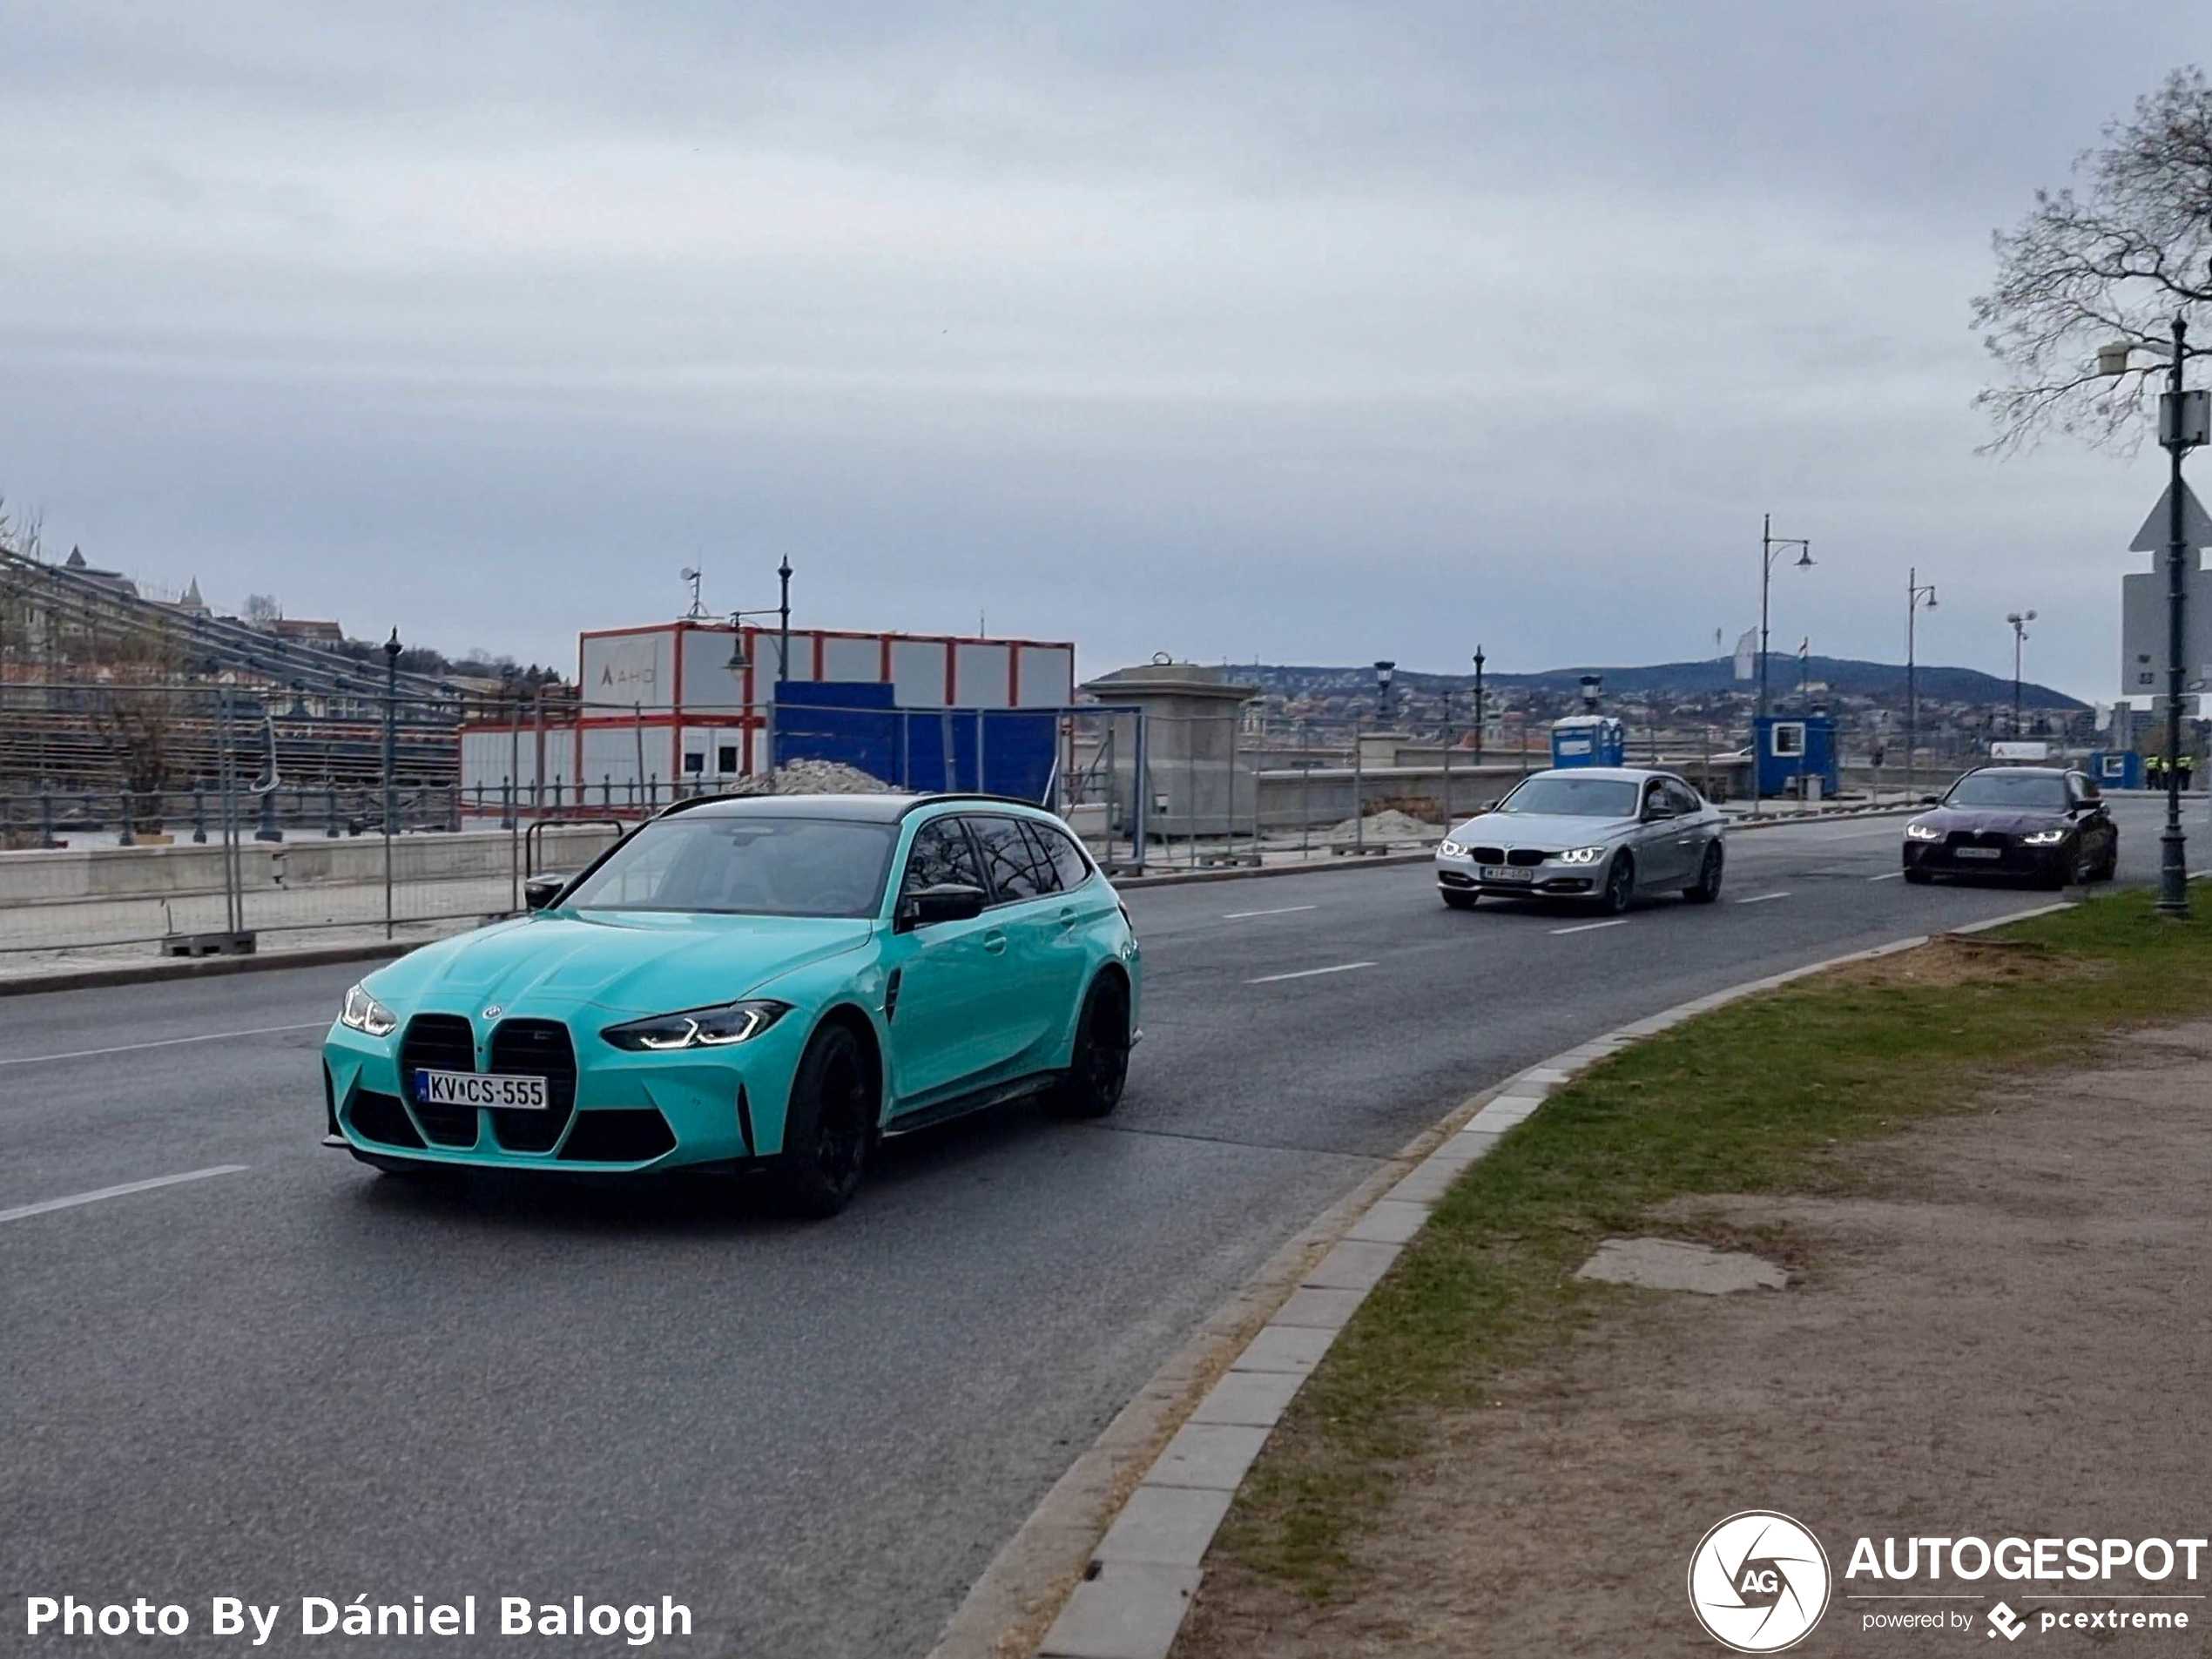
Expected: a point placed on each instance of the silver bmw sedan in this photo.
(1598, 833)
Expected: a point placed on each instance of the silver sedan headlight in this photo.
(1582, 855)
(1448, 848)
(364, 1013)
(1918, 832)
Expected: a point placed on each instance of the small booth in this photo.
(2117, 769)
(1588, 740)
(1796, 755)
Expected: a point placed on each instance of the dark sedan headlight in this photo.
(2043, 838)
(716, 1028)
(1917, 832)
(364, 1013)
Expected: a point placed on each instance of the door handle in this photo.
(994, 942)
(1068, 917)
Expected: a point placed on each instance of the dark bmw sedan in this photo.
(2042, 822)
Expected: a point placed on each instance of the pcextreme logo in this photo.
(1759, 1582)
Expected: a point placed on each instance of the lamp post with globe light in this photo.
(2019, 619)
(1916, 595)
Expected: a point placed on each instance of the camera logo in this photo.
(1759, 1582)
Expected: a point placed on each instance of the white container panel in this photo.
(980, 677)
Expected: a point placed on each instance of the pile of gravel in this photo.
(813, 777)
(1386, 829)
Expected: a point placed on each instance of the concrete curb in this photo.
(81, 978)
(1128, 1597)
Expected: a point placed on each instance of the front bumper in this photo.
(2014, 858)
(627, 1111)
(1551, 879)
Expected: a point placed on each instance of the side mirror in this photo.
(1931, 800)
(542, 889)
(947, 901)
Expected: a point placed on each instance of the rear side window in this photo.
(942, 854)
(1017, 867)
(1068, 859)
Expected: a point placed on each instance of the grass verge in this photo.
(1752, 1099)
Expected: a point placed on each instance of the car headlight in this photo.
(2043, 838)
(1582, 856)
(1448, 848)
(1918, 832)
(365, 1014)
(714, 1027)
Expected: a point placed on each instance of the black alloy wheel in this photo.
(831, 1125)
(1708, 886)
(1099, 1066)
(1620, 885)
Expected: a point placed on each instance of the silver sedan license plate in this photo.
(1505, 873)
(477, 1088)
(1978, 851)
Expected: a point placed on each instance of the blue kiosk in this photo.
(1588, 740)
(1797, 754)
(2117, 769)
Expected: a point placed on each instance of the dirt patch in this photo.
(2001, 1335)
(1966, 958)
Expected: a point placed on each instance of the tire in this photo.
(1099, 1065)
(831, 1125)
(2110, 867)
(1459, 900)
(1707, 887)
(1919, 877)
(1620, 885)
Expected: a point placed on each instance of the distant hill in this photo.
(1847, 675)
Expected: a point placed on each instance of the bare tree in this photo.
(2113, 263)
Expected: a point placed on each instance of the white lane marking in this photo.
(46, 1204)
(1590, 926)
(1761, 898)
(1307, 972)
(162, 1042)
(1284, 910)
(1890, 875)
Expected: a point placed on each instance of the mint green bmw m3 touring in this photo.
(771, 983)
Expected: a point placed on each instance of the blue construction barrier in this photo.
(856, 722)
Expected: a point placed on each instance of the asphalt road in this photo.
(298, 1378)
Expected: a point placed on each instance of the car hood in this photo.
(626, 962)
(1537, 829)
(2005, 820)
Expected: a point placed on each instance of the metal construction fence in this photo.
(247, 824)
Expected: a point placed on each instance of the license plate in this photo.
(476, 1088)
(1505, 873)
(1977, 852)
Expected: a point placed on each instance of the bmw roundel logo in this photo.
(493, 1011)
(1759, 1582)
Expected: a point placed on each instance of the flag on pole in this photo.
(1747, 655)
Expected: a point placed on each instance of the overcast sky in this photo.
(1312, 332)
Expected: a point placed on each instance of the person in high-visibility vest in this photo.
(2154, 771)
(2188, 763)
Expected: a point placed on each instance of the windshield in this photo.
(1557, 796)
(747, 867)
(2021, 791)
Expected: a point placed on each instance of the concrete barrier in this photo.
(80, 874)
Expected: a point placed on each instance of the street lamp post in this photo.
(1385, 671)
(2182, 426)
(1481, 710)
(1769, 544)
(1916, 595)
(781, 610)
(2019, 619)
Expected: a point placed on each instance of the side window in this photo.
(942, 854)
(1655, 801)
(1068, 859)
(1683, 799)
(2084, 786)
(1041, 861)
(1011, 860)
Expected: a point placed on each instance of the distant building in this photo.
(305, 631)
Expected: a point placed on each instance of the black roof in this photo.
(868, 809)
